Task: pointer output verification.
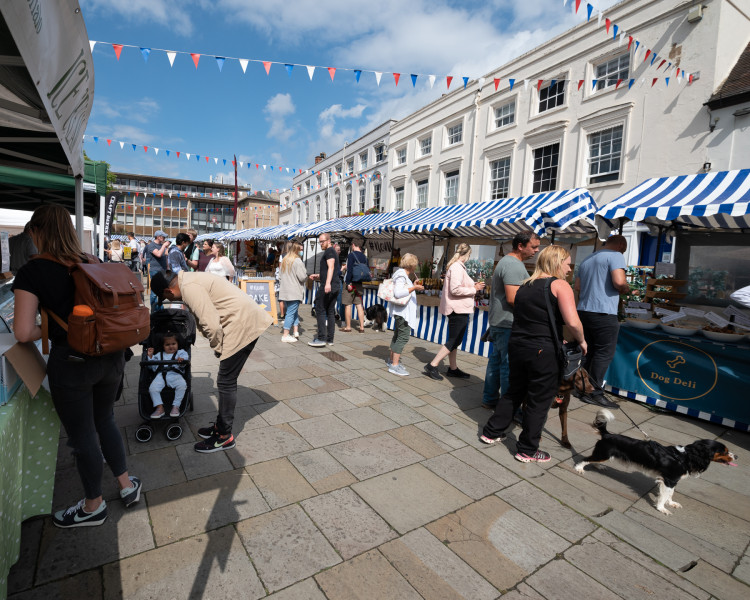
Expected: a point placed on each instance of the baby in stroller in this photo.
(171, 375)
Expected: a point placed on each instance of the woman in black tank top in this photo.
(533, 357)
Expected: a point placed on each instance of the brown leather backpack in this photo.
(119, 317)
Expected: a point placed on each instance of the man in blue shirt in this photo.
(599, 282)
(176, 256)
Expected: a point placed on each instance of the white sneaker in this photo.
(288, 339)
(330, 343)
(398, 370)
(296, 334)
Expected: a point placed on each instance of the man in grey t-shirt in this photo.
(600, 281)
(507, 278)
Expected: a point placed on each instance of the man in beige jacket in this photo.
(232, 322)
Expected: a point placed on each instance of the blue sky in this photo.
(276, 119)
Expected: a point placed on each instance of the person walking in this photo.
(83, 388)
(232, 322)
(135, 261)
(456, 303)
(116, 252)
(509, 273)
(328, 290)
(405, 317)
(533, 352)
(353, 290)
(599, 282)
(292, 277)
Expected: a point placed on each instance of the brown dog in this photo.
(579, 381)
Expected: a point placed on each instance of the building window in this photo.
(317, 209)
(546, 160)
(422, 194)
(455, 133)
(400, 198)
(350, 166)
(376, 196)
(348, 200)
(499, 178)
(336, 204)
(605, 150)
(319, 179)
(363, 161)
(451, 187)
(425, 146)
(401, 156)
(307, 187)
(379, 153)
(338, 171)
(361, 199)
(607, 74)
(552, 96)
(505, 115)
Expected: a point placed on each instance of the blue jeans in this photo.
(292, 315)
(497, 376)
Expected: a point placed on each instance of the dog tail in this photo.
(603, 416)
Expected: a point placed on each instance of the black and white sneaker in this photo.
(75, 516)
(208, 432)
(215, 444)
(131, 495)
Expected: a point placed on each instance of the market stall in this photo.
(685, 346)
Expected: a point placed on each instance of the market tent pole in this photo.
(552, 237)
(100, 228)
(79, 207)
(393, 250)
(658, 245)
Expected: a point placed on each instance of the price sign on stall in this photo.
(262, 292)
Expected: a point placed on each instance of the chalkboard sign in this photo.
(262, 291)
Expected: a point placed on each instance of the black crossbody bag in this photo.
(568, 356)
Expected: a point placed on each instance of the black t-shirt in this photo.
(330, 253)
(52, 284)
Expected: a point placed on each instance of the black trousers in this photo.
(600, 331)
(325, 312)
(534, 376)
(226, 383)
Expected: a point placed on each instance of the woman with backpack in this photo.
(357, 271)
(84, 388)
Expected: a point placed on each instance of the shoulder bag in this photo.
(385, 292)
(569, 356)
(360, 270)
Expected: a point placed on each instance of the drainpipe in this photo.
(470, 170)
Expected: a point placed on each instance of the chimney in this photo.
(320, 157)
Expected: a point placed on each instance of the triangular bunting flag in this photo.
(92, 43)
(666, 80)
(512, 82)
(332, 72)
(109, 142)
(431, 79)
(187, 155)
(178, 153)
(630, 41)
(396, 77)
(145, 52)
(96, 139)
(614, 30)
(378, 75)
(413, 80)
(589, 10)
(593, 83)
(630, 83)
(267, 66)
(653, 58)
(197, 157)
(133, 147)
(607, 24)
(310, 71)
(578, 5)
(122, 145)
(118, 49)
(216, 161)
(225, 161)
(167, 151)
(357, 74)
(171, 55)
(196, 58)
(220, 62)
(525, 84)
(619, 81)
(539, 83)
(448, 81)
(653, 81)
(580, 83)
(156, 151)
(497, 82)
(466, 80)
(289, 69)
(622, 38)
(690, 79)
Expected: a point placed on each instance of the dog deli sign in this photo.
(671, 369)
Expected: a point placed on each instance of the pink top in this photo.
(458, 291)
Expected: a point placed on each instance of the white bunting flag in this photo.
(187, 156)
(242, 164)
(216, 161)
(122, 145)
(378, 75)
(92, 43)
(243, 64)
(431, 78)
(622, 38)
(264, 167)
(599, 21)
(171, 57)
(170, 194)
(310, 71)
(156, 151)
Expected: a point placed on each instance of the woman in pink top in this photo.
(457, 303)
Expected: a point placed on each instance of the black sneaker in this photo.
(457, 373)
(214, 444)
(131, 495)
(208, 432)
(598, 400)
(538, 456)
(432, 372)
(316, 343)
(75, 516)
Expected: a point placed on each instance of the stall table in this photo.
(689, 375)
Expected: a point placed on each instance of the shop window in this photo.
(605, 151)
(499, 178)
(546, 161)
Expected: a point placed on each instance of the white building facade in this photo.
(349, 181)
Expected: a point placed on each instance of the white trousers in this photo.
(174, 380)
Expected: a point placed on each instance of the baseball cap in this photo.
(159, 284)
(160, 233)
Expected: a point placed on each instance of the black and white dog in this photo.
(377, 316)
(668, 463)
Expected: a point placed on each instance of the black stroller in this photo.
(169, 320)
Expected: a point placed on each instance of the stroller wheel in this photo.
(174, 432)
(144, 433)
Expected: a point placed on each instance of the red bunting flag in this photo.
(607, 24)
(661, 64)
(578, 5)
(196, 58)
(207, 159)
(677, 73)
(145, 148)
(630, 41)
(654, 81)
(580, 83)
(396, 77)
(690, 79)
(497, 82)
(118, 49)
(619, 81)
(448, 81)
(267, 66)
(648, 53)
(539, 84)
(332, 72)
(178, 156)
(109, 142)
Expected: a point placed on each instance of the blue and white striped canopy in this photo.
(273, 232)
(715, 200)
(213, 235)
(360, 223)
(569, 211)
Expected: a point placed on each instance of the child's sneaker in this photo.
(158, 413)
(538, 456)
(131, 495)
(208, 432)
(214, 444)
(75, 516)
(175, 412)
(489, 441)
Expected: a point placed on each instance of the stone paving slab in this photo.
(461, 476)
(440, 434)
(21, 575)
(419, 441)
(321, 470)
(325, 385)
(437, 416)
(197, 567)
(742, 572)
(275, 413)
(196, 465)
(265, 444)
(366, 420)
(716, 582)
(422, 497)
(624, 480)
(286, 390)
(717, 496)
(180, 511)
(358, 397)
(591, 489)
(373, 455)
(285, 547)
(433, 570)
(317, 405)
(157, 469)
(366, 577)
(523, 592)
(324, 431)
(83, 585)
(560, 580)
(279, 482)
(485, 465)
(304, 590)
(347, 522)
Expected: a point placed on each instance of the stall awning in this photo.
(714, 200)
(569, 211)
(357, 224)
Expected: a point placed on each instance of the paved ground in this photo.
(349, 482)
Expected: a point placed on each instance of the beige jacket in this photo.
(229, 318)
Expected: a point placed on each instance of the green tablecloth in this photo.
(29, 434)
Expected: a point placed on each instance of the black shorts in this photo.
(457, 325)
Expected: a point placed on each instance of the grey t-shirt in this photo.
(509, 271)
(598, 293)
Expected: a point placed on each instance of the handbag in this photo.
(569, 356)
(385, 292)
(360, 271)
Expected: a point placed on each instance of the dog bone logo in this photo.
(677, 360)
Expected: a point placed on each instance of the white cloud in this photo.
(174, 15)
(277, 109)
(141, 111)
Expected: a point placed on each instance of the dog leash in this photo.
(598, 387)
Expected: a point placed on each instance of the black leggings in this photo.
(458, 323)
(84, 391)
